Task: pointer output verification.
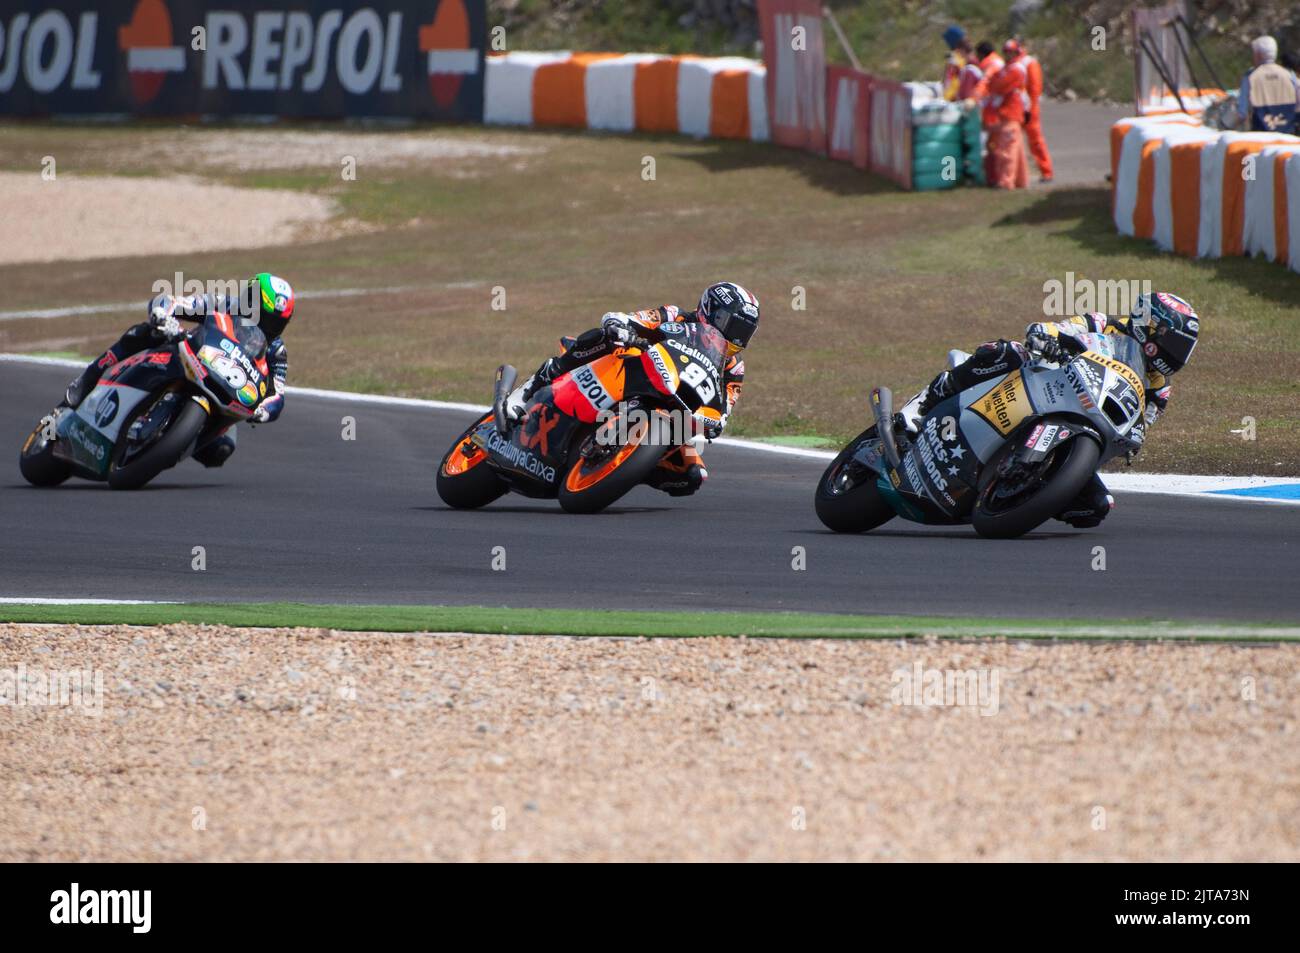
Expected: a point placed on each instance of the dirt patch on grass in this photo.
(245, 151)
(229, 152)
(72, 218)
(218, 743)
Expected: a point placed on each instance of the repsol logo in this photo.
(49, 50)
(666, 374)
(251, 49)
(592, 388)
(294, 50)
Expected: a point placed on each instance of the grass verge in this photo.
(489, 620)
(861, 284)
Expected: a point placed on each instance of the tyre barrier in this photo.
(1204, 193)
(706, 97)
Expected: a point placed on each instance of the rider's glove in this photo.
(165, 324)
(1046, 346)
(619, 333)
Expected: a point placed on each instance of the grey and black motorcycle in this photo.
(1006, 455)
(152, 409)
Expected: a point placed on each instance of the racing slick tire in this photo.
(851, 502)
(1071, 465)
(166, 450)
(37, 462)
(465, 481)
(590, 485)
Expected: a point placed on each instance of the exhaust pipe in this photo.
(882, 406)
(506, 376)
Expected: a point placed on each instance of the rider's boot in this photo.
(680, 472)
(84, 383)
(216, 450)
(517, 402)
(913, 412)
(1090, 507)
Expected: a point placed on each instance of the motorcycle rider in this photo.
(725, 305)
(1165, 325)
(264, 300)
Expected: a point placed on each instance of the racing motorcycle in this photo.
(151, 410)
(593, 433)
(1006, 455)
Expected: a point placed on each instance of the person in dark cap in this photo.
(959, 54)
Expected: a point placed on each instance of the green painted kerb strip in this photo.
(626, 623)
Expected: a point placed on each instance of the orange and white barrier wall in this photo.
(708, 97)
(1205, 193)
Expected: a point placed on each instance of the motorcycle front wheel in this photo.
(465, 481)
(37, 462)
(847, 499)
(136, 461)
(1010, 505)
(601, 475)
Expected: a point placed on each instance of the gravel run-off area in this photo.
(209, 743)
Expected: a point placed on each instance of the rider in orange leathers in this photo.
(725, 305)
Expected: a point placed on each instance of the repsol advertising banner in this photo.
(306, 58)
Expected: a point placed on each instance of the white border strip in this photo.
(38, 601)
(120, 306)
(1165, 484)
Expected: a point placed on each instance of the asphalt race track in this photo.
(300, 515)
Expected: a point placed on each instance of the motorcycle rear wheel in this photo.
(465, 481)
(165, 452)
(852, 508)
(37, 462)
(1063, 480)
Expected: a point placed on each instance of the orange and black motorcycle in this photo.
(594, 433)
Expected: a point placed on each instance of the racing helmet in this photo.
(732, 310)
(1167, 327)
(268, 301)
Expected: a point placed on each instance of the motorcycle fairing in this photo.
(81, 444)
(588, 391)
(946, 467)
(532, 456)
(87, 436)
(213, 357)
